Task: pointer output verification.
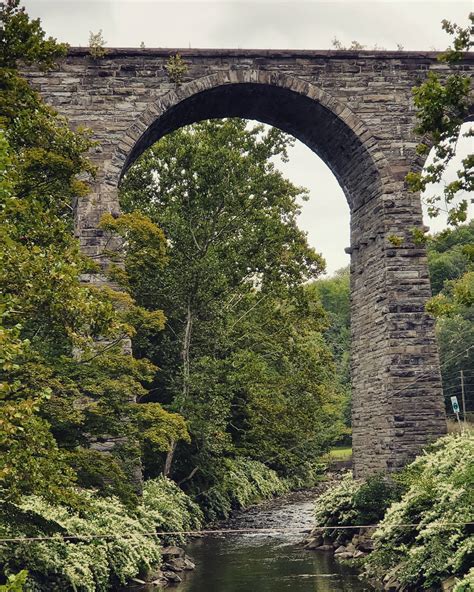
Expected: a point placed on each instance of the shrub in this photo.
(440, 492)
(104, 473)
(169, 509)
(240, 482)
(356, 501)
(336, 505)
(15, 582)
(176, 68)
(87, 564)
(373, 498)
(96, 45)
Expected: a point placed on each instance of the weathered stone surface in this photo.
(173, 552)
(171, 576)
(355, 110)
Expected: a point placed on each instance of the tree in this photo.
(450, 257)
(334, 294)
(237, 260)
(442, 107)
(64, 377)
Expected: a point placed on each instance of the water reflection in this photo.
(264, 564)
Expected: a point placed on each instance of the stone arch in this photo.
(294, 105)
(394, 353)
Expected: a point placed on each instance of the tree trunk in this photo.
(185, 349)
(169, 459)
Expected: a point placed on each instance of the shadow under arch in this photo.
(295, 106)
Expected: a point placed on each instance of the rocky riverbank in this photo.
(175, 562)
(351, 546)
(358, 544)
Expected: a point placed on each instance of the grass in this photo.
(454, 427)
(340, 453)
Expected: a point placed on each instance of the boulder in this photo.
(365, 543)
(171, 552)
(325, 548)
(175, 564)
(350, 548)
(340, 550)
(189, 563)
(448, 585)
(171, 576)
(345, 555)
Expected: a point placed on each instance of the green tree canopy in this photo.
(233, 296)
(64, 378)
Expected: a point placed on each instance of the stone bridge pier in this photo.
(355, 111)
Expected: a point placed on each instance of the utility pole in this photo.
(463, 397)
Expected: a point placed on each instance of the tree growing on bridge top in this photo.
(236, 256)
(97, 45)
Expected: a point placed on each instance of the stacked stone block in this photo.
(355, 110)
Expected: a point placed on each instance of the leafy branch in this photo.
(442, 107)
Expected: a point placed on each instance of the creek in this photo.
(267, 562)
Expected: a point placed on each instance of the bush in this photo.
(354, 502)
(336, 505)
(169, 509)
(239, 483)
(440, 491)
(104, 473)
(15, 582)
(88, 564)
(85, 565)
(373, 498)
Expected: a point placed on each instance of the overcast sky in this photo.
(295, 24)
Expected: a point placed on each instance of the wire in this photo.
(191, 533)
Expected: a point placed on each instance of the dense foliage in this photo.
(443, 105)
(65, 381)
(424, 516)
(239, 483)
(242, 356)
(355, 502)
(451, 262)
(334, 295)
(212, 276)
(438, 504)
(451, 267)
(124, 548)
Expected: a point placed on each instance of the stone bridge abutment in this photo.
(354, 110)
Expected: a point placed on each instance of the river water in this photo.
(267, 562)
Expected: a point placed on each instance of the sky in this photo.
(295, 24)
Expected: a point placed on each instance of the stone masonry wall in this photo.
(355, 110)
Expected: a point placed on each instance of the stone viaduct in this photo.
(354, 110)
